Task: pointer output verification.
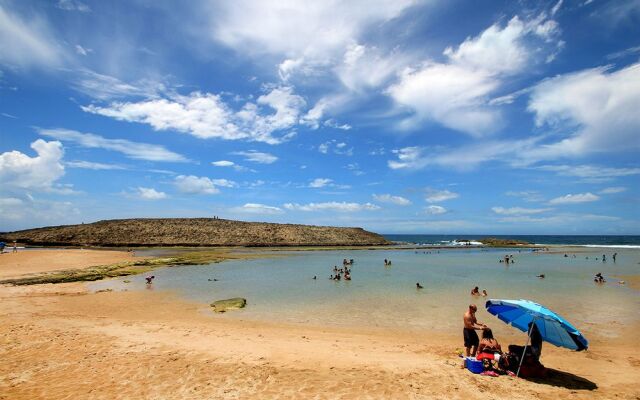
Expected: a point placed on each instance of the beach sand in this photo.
(60, 341)
(26, 262)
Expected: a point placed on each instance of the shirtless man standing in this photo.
(471, 324)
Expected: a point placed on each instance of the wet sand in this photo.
(60, 341)
(26, 262)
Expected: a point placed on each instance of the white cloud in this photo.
(223, 163)
(93, 165)
(613, 190)
(323, 148)
(206, 115)
(591, 173)
(331, 123)
(26, 212)
(592, 111)
(18, 170)
(150, 194)
(226, 164)
(507, 50)
(456, 94)
(526, 195)
(519, 210)
(73, 5)
(366, 67)
(332, 206)
(388, 198)
(82, 51)
(436, 196)
(224, 183)
(312, 30)
(135, 150)
(257, 157)
(451, 95)
(320, 182)
(435, 210)
(256, 208)
(191, 184)
(105, 87)
(27, 42)
(575, 198)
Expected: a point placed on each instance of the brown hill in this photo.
(193, 232)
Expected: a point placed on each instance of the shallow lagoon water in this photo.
(283, 288)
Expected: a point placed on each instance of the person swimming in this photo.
(475, 291)
(541, 276)
(419, 286)
(484, 293)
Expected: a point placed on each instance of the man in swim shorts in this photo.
(471, 324)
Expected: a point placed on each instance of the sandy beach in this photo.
(61, 341)
(43, 260)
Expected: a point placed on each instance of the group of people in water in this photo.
(604, 257)
(476, 292)
(338, 273)
(508, 259)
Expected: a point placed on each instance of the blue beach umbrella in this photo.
(552, 327)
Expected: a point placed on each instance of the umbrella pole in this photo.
(525, 348)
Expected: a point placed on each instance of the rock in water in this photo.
(236, 303)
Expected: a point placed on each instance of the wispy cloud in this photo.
(256, 208)
(575, 198)
(332, 206)
(135, 150)
(435, 210)
(388, 198)
(436, 196)
(257, 157)
(613, 190)
(93, 165)
(519, 210)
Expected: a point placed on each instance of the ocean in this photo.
(282, 288)
(621, 241)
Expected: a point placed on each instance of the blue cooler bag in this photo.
(474, 365)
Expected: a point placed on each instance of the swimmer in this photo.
(541, 276)
(484, 293)
(150, 279)
(315, 277)
(419, 286)
(475, 291)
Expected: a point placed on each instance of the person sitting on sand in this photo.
(475, 291)
(471, 324)
(488, 344)
(150, 279)
(419, 286)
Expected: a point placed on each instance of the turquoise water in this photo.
(283, 288)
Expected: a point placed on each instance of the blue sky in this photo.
(504, 117)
